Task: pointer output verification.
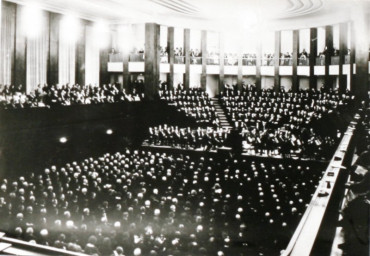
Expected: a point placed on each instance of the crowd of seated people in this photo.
(195, 103)
(285, 142)
(65, 95)
(356, 212)
(267, 118)
(187, 138)
(148, 203)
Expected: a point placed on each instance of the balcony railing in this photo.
(249, 61)
(115, 57)
(213, 61)
(334, 60)
(303, 62)
(196, 60)
(347, 59)
(231, 61)
(179, 59)
(320, 61)
(286, 61)
(136, 57)
(268, 62)
(164, 59)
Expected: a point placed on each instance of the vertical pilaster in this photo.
(352, 57)
(295, 85)
(81, 55)
(328, 54)
(152, 31)
(171, 54)
(222, 63)
(104, 77)
(277, 60)
(343, 47)
(258, 64)
(203, 78)
(361, 83)
(126, 73)
(187, 58)
(53, 52)
(20, 60)
(240, 66)
(313, 54)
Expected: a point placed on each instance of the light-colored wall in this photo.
(249, 79)
(267, 82)
(212, 85)
(177, 78)
(286, 82)
(304, 83)
(230, 80)
(194, 80)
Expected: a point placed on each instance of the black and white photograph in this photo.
(185, 127)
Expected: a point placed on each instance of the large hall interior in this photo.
(183, 127)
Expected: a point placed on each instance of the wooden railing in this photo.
(11, 246)
(304, 237)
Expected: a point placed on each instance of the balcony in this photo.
(179, 60)
(303, 62)
(268, 62)
(249, 61)
(334, 60)
(286, 61)
(163, 59)
(347, 59)
(136, 57)
(213, 60)
(115, 57)
(231, 61)
(320, 61)
(196, 60)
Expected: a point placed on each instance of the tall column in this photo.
(81, 55)
(240, 66)
(313, 54)
(258, 64)
(328, 54)
(104, 77)
(20, 60)
(295, 86)
(126, 73)
(152, 42)
(187, 58)
(361, 28)
(222, 63)
(352, 57)
(171, 54)
(277, 60)
(343, 36)
(103, 72)
(203, 78)
(53, 55)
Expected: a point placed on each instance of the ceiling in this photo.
(214, 14)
